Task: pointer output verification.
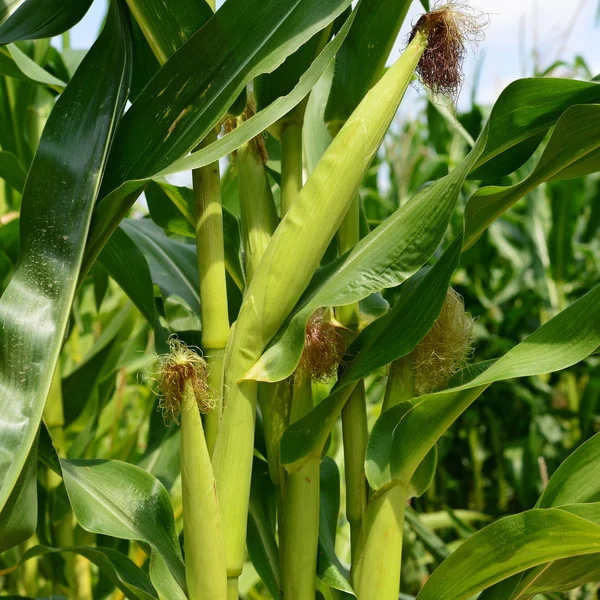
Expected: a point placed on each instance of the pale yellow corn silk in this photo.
(181, 366)
(445, 348)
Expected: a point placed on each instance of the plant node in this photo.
(178, 367)
(324, 348)
(448, 27)
(442, 351)
(257, 143)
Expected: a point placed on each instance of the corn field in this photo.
(356, 357)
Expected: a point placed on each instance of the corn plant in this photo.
(256, 308)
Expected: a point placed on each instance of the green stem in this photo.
(348, 236)
(301, 512)
(205, 572)
(355, 434)
(213, 285)
(291, 160)
(377, 572)
(354, 414)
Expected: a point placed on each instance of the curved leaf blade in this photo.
(121, 500)
(118, 568)
(67, 169)
(510, 546)
(577, 479)
(575, 137)
(30, 20)
(521, 117)
(12, 171)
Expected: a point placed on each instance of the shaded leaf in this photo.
(29, 19)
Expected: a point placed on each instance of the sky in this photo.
(518, 31)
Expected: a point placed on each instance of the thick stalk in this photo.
(377, 571)
(205, 572)
(348, 236)
(354, 414)
(291, 159)
(213, 286)
(355, 434)
(301, 512)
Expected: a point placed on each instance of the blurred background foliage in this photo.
(495, 460)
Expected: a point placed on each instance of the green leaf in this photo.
(577, 134)
(67, 168)
(577, 479)
(83, 382)
(26, 68)
(563, 341)
(502, 590)
(163, 580)
(29, 19)
(329, 568)
(361, 60)
(396, 333)
(280, 82)
(558, 576)
(262, 544)
(167, 26)
(126, 264)
(115, 205)
(120, 570)
(121, 500)
(173, 209)
(12, 171)
(172, 263)
(315, 137)
(432, 542)
(18, 518)
(510, 546)
(522, 116)
(567, 204)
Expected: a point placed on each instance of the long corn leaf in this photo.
(30, 19)
(58, 198)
